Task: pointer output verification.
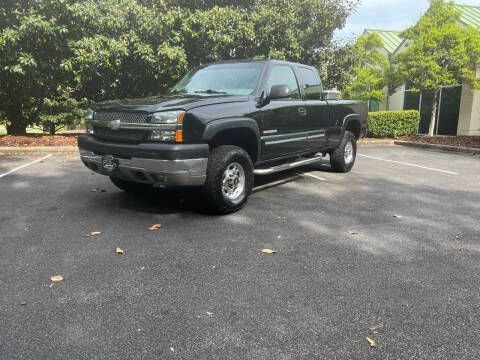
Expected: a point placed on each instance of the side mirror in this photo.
(280, 92)
(330, 95)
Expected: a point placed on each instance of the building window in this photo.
(373, 105)
(448, 109)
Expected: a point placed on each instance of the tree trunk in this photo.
(433, 117)
(18, 124)
(49, 127)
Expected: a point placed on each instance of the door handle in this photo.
(302, 111)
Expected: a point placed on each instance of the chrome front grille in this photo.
(132, 117)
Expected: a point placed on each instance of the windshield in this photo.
(231, 79)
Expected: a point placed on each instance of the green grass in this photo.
(3, 131)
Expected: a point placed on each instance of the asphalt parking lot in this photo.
(199, 288)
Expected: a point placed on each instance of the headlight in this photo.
(170, 126)
(89, 114)
(168, 117)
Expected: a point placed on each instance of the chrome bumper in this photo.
(186, 172)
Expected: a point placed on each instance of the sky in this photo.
(387, 15)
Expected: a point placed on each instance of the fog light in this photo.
(163, 135)
(90, 130)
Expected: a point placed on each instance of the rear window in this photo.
(311, 83)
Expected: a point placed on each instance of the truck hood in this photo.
(168, 102)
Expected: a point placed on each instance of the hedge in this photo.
(393, 123)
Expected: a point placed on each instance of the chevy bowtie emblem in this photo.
(114, 124)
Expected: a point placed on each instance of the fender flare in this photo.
(216, 126)
(348, 119)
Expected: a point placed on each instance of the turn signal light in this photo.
(179, 136)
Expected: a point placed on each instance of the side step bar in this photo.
(287, 166)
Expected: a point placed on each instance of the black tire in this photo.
(338, 158)
(219, 160)
(131, 186)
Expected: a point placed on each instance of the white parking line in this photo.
(404, 163)
(313, 176)
(25, 165)
(275, 183)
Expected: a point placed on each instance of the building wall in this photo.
(396, 100)
(469, 118)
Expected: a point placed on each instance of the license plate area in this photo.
(109, 163)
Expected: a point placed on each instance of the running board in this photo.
(284, 167)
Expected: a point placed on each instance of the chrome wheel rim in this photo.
(348, 152)
(233, 182)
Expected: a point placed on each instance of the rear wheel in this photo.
(130, 186)
(229, 179)
(343, 158)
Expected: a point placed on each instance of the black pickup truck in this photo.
(219, 126)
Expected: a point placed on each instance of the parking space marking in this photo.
(25, 165)
(405, 163)
(311, 175)
(275, 183)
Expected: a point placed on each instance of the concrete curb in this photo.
(457, 149)
(375, 143)
(62, 149)
(38, 149)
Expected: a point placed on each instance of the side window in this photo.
(284, 75)
(311, 82)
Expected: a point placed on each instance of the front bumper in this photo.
(151, 163)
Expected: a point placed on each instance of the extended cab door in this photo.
(283, 120)
(318, 116)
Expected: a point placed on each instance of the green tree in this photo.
(370, 69)
(440, 52)
(108, 49)
(335, 64)
(61, 111)
(30, 59)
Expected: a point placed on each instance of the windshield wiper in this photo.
(209, 91)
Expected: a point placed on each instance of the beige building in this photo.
(458, 106)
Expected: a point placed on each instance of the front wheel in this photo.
(343, 158)
(229, 179)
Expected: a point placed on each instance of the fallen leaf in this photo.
(57, 278)
(397, 216)
(371, 342)
(352, 232)
(119, 251)
(95, 233)
(155, 227)
(23, 303)
(209, 313)
(379, 326)
(268, 251)
(142, 268)
(51, 285)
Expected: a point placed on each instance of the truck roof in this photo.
(258, 61)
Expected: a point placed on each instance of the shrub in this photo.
(393, 123)
(61, 111)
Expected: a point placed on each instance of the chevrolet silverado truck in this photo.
(219, 126)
